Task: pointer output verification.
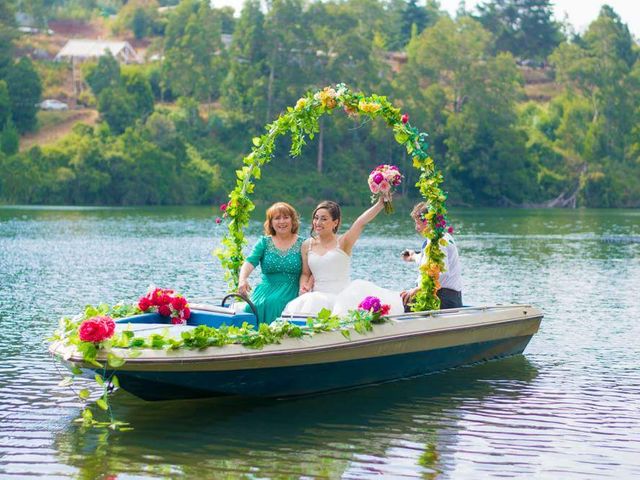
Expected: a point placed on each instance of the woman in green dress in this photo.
(278, 254)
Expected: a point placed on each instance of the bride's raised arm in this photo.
(350, 237)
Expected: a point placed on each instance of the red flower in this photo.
(96, 329)
(450, 230)
(178, 303)
(223, 207)
(384, 310)
(155, 296)
(144, 304)
(218, 220)
(164, 310)
(179, 321)
(405, 117)
(186, 313)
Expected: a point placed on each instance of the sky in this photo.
(580, 13)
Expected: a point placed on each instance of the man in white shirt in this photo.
(450, 293)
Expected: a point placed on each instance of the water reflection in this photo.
(386, 429)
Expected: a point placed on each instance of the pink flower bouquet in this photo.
(374, 306)
(167, 303)
(382, 182)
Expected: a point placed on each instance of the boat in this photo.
(405, 345)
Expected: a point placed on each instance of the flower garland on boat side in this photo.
(94, 331)
(301, 121)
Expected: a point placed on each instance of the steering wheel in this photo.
(244, 299)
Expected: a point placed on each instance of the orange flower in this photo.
(327, 97)
(368, 107)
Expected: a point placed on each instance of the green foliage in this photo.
(25, 91)
(8, 33)
(195, 63)
(5, 104)
(117, 108)
(490, 147)
(525, 28)
(102, 75)
(148, 164)
(9, 139)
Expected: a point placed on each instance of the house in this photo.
(88, 49)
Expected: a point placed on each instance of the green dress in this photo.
(280, 277)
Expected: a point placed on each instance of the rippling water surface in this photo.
(568, 408)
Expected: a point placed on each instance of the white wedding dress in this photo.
(333, 289)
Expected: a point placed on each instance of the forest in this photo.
(173, 129)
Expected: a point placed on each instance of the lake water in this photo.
(568, 408)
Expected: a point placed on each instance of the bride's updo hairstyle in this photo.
(334, 210)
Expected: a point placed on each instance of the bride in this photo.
(327, 256)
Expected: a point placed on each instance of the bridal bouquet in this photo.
(167, 303)
(382, 182)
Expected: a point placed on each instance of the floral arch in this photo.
(302, 121)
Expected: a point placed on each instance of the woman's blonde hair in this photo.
(281, 208)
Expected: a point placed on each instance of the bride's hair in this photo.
(334, 210)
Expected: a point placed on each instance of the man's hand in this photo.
(407, 295)
(408, 255)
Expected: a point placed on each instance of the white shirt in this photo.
(451, 277)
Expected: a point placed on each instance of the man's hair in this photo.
(419, 210)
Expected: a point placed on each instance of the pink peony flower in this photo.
(144, 304)
(385, 186)
(378, 178)
(178, 303)
(371, 304)
(374, 187)
(96, 329)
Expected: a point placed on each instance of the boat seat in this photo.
(213, 308)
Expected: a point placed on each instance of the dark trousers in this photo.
(448, 299)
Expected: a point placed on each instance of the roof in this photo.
(82, 49)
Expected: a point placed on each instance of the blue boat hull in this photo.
(305, 379)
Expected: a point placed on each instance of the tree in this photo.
(523, 27)
(106, 73)
(5, 104)
(194, 55)
(244, 88)
(8, 33)
(600, 73)
(467, 97)
(138, 87)
(9, 139)
(117, 108)
(25, 91)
